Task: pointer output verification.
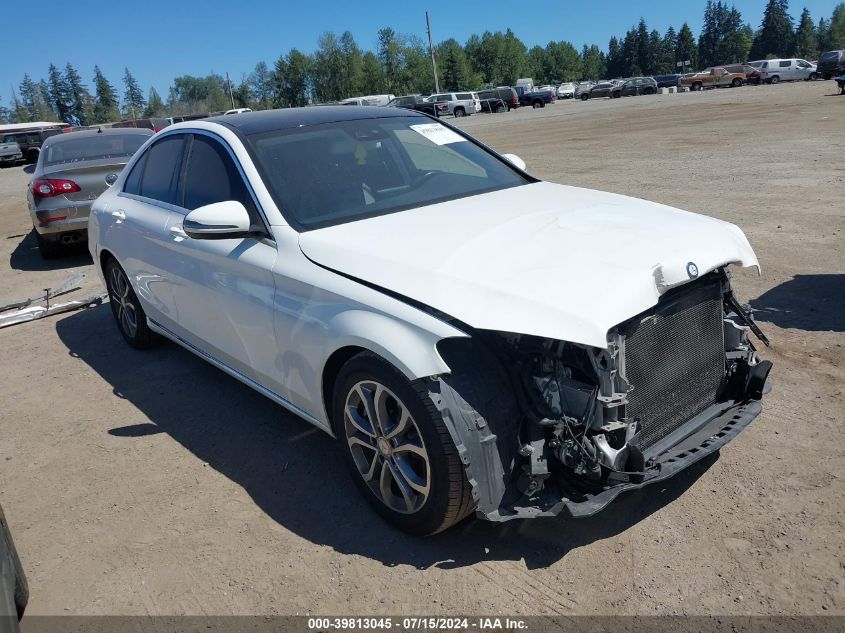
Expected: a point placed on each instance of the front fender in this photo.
(411, 349)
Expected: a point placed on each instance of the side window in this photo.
(163, 163)
(213, 177)
(464, 96)
(133, 181)
(785, 63)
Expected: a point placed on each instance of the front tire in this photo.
(696, 87)
(736, 83)
(584, 96)
(538, 104)
(399, 451)
(126, 309)
(813, 77)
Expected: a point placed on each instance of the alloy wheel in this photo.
(122, 304)
(387, 447)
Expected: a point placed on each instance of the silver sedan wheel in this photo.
(387, 447)
(124, 309)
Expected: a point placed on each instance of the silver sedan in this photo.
(71, 172)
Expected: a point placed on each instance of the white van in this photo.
(775, 70)
(370, 100)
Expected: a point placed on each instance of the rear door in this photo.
(224, 303)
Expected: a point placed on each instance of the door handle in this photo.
(178, 233)
(119, 215)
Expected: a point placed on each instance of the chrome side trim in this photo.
(234, 373)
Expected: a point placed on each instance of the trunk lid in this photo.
(90, 176)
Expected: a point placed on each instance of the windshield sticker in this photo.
(437, 134)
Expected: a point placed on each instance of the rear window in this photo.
(829, 56)
(93, 148)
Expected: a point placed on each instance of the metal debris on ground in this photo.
(20, 311)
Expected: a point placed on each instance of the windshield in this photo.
(344, 171)
(93, 148)
(9, 139)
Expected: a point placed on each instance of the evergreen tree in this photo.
(155, 106)
(292, 79)
(666, 58)
(59, 98)
(836, 28)
(644, 57)
(133, 98)
(260, 83)
(806, 38)
(106, 107)
(32, 98)
(453, 69)
(81, 103)
(823, 32)
(615, 61)
(372, 77)
(686, 50)
(593, 63)
(776, 36)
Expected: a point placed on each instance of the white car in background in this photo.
(380, 275)
(774, 70)
(566, 91)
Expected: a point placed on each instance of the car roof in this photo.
(270, 120)
(106, 131)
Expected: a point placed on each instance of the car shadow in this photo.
(296, 474)
(805, 302)
(26, 256)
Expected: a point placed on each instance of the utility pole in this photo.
(231, 94)
(431, 52)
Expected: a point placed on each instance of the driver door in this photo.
(225, 290)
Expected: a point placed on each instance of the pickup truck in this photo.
(716, 77)
(10, 151)
(535, 98)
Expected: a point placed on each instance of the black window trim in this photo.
(153, 201)
(189, 133)
(216, 137)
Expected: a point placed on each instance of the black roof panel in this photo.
(268, 120)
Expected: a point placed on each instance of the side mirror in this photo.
(220, 220)
(29, 169)
(515, 160)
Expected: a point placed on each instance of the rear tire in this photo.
(615, 95)
(459, 112)
(774, 80)
(47, 248)
(584, 96)
(423, 489)
(813, 77)
(500, 108)
(696, 87)
(128, 314)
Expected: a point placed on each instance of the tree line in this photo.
(339, 68)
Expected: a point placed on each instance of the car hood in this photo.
(541, 259)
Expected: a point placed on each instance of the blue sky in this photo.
(160, 39)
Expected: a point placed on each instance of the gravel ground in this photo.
(151, 483)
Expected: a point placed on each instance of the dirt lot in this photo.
(141, 483)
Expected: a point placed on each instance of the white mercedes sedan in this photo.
(477, 340)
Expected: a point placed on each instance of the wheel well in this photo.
(331, 369)
(105, 256)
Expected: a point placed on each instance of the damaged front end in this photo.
(674, 384)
